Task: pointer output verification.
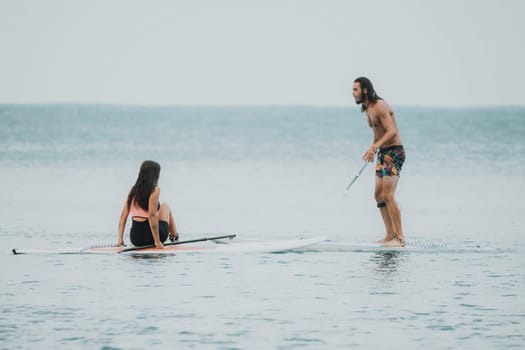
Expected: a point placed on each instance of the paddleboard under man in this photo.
(390, 157)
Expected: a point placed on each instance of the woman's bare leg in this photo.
(166, 215)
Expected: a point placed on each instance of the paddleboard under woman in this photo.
(152, 222)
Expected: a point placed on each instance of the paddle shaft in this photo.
(179, 242)
(356, 176)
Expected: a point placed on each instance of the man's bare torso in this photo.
(381, 119)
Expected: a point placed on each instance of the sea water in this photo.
(262, 173)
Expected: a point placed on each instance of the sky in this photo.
(454, 53)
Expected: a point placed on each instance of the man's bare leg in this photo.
(388, 225)
(381, 204)
(389, 188)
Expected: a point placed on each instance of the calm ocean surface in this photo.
(262, 173)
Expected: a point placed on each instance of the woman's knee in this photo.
(164, 212)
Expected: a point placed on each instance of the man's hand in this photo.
(370, 154)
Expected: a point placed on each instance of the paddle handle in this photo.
(357, 175)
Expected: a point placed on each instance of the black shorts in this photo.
(140, 234)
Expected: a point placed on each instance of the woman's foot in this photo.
(174, 237)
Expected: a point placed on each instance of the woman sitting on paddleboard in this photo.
(152, 222)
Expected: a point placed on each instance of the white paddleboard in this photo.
(409, 247)
(274, 246)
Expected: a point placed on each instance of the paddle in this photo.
(356, 176)
(179, 242)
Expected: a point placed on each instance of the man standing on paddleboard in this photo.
(390, 157)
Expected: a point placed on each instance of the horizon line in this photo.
(246, 105)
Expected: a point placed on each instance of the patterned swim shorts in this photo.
(390, 161)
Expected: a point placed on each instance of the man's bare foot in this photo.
(395, 242)
(386, 239)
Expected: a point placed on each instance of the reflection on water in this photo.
(150, 257)
(387, 262)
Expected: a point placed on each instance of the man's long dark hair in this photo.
(371, 94)
(147, 180)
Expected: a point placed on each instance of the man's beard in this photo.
(361, 99)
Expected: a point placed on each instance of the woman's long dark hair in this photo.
(371, 94)
(147, 180)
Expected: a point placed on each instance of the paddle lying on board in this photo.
(179, 242)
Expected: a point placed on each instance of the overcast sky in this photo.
(268, 52)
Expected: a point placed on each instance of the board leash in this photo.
(94, 246)
(427, 245)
